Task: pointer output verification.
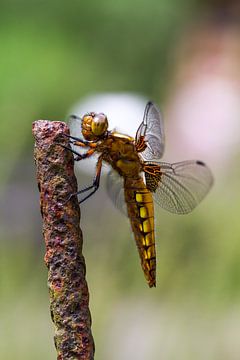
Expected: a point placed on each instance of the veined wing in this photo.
(178, 187)
(115, 191)
(151, 131)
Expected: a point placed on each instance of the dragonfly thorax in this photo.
(94, 126)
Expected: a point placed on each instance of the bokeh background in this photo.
(186, 57)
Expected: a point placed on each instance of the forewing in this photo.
(75, 124)
(115, 191)
(179, 187)
(151, 129)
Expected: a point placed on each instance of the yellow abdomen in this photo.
(141, 214)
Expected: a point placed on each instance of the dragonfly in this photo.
(138, 178)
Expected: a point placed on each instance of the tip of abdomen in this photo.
(152, 283)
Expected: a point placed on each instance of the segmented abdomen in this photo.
(141, 214)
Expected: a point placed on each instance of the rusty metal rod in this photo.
(69, 296)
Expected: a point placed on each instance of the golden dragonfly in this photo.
(177, 187)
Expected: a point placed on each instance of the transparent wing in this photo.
(151, 129)
(75, 125)
(178, 187)
(115, 191)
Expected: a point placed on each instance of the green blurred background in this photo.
(53, 54)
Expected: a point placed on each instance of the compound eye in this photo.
(87, 120)
(99, 124)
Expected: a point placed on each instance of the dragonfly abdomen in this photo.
(141, 214)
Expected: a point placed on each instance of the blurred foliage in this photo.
(52, 54)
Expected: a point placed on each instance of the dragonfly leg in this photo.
(79, 156)
(80, 142)
(87, 154)
(95, 185)
(85, 142)
(96, 180)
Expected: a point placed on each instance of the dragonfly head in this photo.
(94, 126)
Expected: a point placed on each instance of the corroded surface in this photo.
(69, 297)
